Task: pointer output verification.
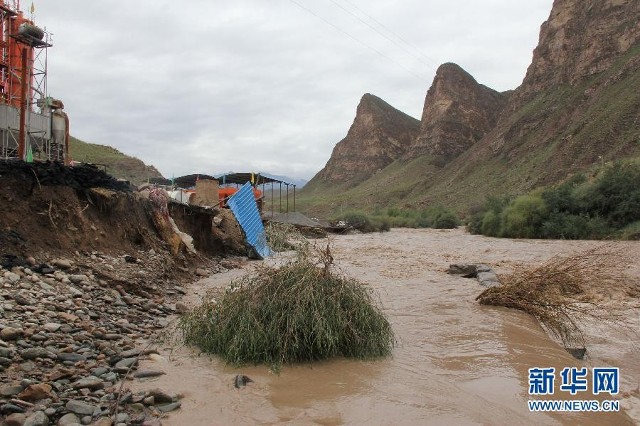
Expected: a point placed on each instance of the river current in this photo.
(456, 362)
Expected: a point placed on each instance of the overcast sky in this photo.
(199, 86)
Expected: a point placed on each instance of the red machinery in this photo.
(226, 192)
(23, 128)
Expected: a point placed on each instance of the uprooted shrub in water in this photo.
(555, 292)
(294, 313)
(284, 236)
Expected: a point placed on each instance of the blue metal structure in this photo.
(244, 207)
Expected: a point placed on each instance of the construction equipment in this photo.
(32, 124)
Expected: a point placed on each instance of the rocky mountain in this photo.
(577, 108)
(379, 135)
(580, 40)
(457, 113)
(579, 103)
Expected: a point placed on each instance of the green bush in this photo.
(284, 236)
(297, 312)
(393, 212)
(440, 218)
(630, 232)
(382, 224)
(574, 227)
(363, 222)
(401, 222)
(524, 216)
(615, 195)
(491, 224)
(432, 217)
(576, 209)
(476, 216)
(486, 219)
(562, 198)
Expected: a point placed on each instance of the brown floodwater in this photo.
(456, 362)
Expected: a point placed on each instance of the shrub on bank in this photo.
(579, 208)
(485, 219)
(523, 217)
(615, 195)
(439, 217)
(294, 313)
(382, 220)
(284, 236)
(364, 223)
(631, 231)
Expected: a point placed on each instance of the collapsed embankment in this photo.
(89, 267)
(49, 208)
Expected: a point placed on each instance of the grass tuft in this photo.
(294, 313)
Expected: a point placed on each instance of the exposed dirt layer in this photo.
(87, 268)
(53, 209)
(83, 176)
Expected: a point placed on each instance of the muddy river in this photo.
(456, 362)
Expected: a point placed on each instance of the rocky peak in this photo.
(379, 135)
(578, 107)
(458, 112)
(581, 38)
(373, 113)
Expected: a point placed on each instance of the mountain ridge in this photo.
(577, 108)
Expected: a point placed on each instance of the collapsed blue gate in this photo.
(244, 207)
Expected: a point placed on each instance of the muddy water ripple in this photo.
(456, 363)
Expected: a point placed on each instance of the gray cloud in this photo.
(199, 86)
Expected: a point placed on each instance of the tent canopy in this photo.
(242, 178)
(189, 181)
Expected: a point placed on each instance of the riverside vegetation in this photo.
(603, 205)
(559, 292)
(436, 217)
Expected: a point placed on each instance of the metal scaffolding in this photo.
(27, 114)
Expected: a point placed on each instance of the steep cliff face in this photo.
(581, 39)
(379, 135)
(578, 107)
(457, 113)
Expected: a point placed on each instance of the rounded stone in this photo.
(68, 420)
(10, 333)
(39, 418)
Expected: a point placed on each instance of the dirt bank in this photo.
(88, 268)
(456, 362)
(48, 208)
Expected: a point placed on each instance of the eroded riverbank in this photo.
(456, 362)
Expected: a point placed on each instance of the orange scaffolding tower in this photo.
(28, 117)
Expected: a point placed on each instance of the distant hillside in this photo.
(117, 164)
(577, 108)
(298, 182)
